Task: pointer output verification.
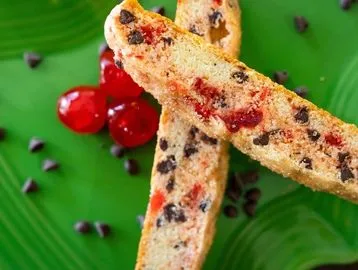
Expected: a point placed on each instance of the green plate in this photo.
(295, 228)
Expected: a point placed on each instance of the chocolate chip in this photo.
(342, 157)
(234, 188)
(215, 18)
(118, 64)
(126, 17)
(307, 163)
(230, 211)
(29, 186)
(280, 77)
(193, 30)
(345, 4)
(346, 173)
(102, 229)
(2, 134)
(302, 116)
(82, 227)
(140, 220)
(160, 222)
(190, 149)
(159, 9)
(250, 177)
(250, 208)
(208, 140)
(168, 40)
(253, 194)
(117, 150)
(131, 166)
(192, 132)
(172, 213)
(180, 244)
(301, 91)
(240, 77)
(220, 101)
(167, 165)
(32, 59)
(313, 134)
(301, 23)
(135, 37)
(205, 205)
(263, 139)
(103, 47)
(163, 144)
(36, 144)
(50, 165)
(170, 185)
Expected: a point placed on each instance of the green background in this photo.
(295, 228)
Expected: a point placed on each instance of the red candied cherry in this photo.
(83, 109)
(132, 121)
(114, 80)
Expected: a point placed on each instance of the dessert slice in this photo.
(228, 100)
(190, 168)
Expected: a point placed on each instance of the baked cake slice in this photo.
(228, 100)
(190, 168)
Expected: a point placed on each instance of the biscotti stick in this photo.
(190, 168)
(228, 100)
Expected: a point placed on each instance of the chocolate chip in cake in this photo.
(131, 166)
(29, 186)
(313, 134)
(118, 64)
(240, 77)
(167, 165)
(159, 222)
(2, 134)
(159, 9)
(208, 140)
(253, 194)
(32, 59)
(205, 205)
(190, 149)
(140, 220)
(231, 211)
(163, 144)
(262, 140)
(307, 163)
(103, 47)
(280, 77)
(342, 157)
(180, 244)
(117, 151)
(215, 18)
(301, 91)
(126, 17)
(346, 173)
(250, 208)
(193, 30)
(192, 132)
(173, 213)
(170, 185)
(135, 37)
(345, 4)
(36, 145)
(301, 23)
(168, 41)
(50, 165)
(102, 229)
(82, 227)
(302, 116)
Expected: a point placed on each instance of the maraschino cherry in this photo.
(132, 121)
(114, 81)
(83, 109)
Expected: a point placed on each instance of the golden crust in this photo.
(194, 15)
(289, 145)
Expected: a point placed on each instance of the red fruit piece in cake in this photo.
(83, 109)
(114, 81)
(132, 121)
